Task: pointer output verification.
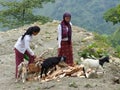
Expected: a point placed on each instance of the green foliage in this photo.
(96, 49)
(115, 41)
(73, 84)
(87, 14)
(17, 13)
(113, 15)
(92, 51)
(117, 54)
(102, 40)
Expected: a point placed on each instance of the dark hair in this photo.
(30, 31)
(66, 14)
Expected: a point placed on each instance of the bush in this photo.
(117, 51)
(92, 51)
(97, 49)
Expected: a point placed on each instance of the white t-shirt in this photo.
(23, 45)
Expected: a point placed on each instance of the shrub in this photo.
(96, 49)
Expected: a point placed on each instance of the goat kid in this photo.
(34, 67)
(25, 69)
(50, 63)
(94, 64)
(22, 71)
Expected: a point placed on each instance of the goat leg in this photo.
(45, 72)
(84, 72)
(55, 68)
(42, 70)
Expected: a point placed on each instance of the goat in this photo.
(34, 67)
(94, 64)
(50, 63)
(22, 71)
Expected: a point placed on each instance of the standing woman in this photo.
(64, 39)
(22, 47)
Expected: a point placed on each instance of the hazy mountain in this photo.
(85, 13)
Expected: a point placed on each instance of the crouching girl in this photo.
(22, 47)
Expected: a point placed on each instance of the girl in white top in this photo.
(22, 47)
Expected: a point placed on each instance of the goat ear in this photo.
(22, 64)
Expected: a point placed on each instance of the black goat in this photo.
(50, 63)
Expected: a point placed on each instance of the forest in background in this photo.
(87, 14)
(100, 16)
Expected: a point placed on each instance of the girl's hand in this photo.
(34, 56)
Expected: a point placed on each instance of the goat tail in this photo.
(82, 59)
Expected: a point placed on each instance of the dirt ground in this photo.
(7, 81)
(45, 40)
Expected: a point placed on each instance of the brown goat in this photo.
(34, 68)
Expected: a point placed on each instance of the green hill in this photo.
(85, 13)
(115, 38)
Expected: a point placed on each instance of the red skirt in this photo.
(66, 50)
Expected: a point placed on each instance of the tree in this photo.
(19, 12)
(113, 15)
(87, 14)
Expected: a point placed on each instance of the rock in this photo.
(116, 80)
(100, 74)
(92, 75)
(73, 84)
(88, 86)
(48, 87)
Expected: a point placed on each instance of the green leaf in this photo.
(18, 13)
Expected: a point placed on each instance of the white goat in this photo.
(94, 64)
(22, 71)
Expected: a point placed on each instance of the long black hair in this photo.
(30, 31)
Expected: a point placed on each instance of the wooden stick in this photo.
(40, 57)
(46, 51)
